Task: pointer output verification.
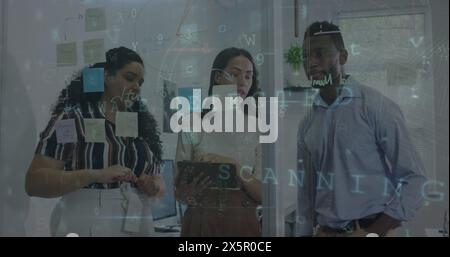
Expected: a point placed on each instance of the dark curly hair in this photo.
(73, 96)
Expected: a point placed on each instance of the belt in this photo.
(222, 198)
(352, 225)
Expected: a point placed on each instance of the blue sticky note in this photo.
(93, 80)
(188, 93)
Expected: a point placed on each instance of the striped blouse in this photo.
(133, 153)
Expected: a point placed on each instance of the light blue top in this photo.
(363, 159)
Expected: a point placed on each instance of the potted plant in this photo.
(294, 57)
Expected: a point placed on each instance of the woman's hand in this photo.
(113, 174)
(191, 192)
(152, 185)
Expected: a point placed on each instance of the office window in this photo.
(391, 53)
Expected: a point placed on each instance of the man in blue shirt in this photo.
(361, 173)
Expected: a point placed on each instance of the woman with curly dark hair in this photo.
(105, 176)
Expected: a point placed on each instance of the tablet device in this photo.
(222, 175)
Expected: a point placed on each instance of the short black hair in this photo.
(326, 28)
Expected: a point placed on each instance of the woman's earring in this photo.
(216, 77)
(106, 79)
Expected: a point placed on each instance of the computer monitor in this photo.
(165, 207)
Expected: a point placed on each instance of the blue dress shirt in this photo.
(356, 159)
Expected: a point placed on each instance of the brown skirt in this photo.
(222, 213)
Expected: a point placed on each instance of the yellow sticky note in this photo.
(94, 130)
(66, 54)
(126, 124)
(94, 51)
(95, 19)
